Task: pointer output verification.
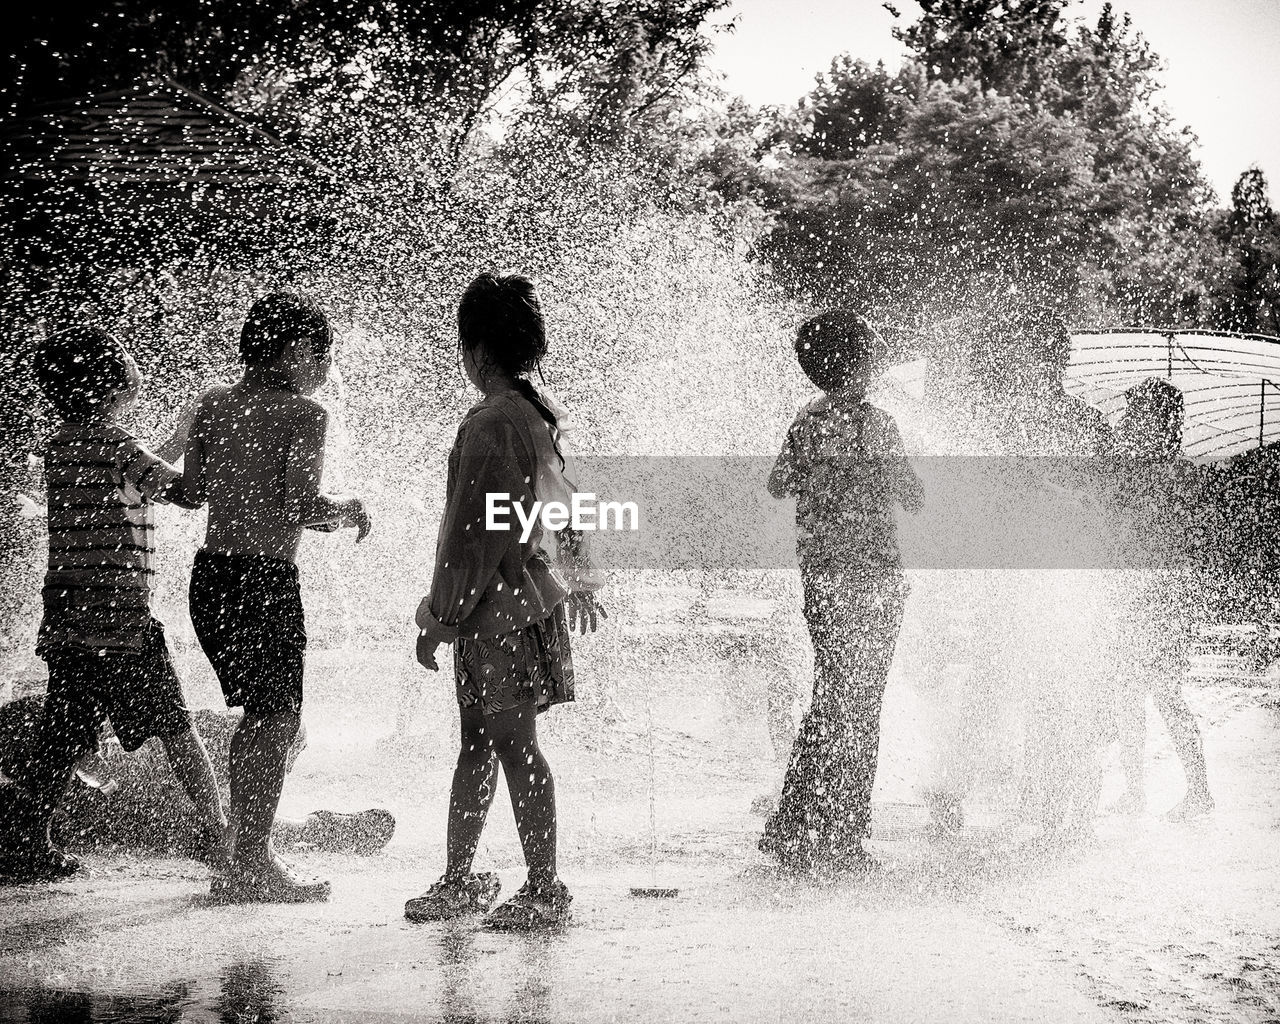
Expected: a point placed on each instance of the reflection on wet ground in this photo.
(248, 993)
(264, 990)
(251, 993)
(47, 1006)
(462, 977)
(739, 944)
(1156, 923)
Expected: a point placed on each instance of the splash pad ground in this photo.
(1156, 922)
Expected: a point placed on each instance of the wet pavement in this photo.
(737, 947)
(1155, 922)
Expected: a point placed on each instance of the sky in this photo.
(1222, 57)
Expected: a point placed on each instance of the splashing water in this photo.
(666, 340)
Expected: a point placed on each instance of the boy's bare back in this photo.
(256, 456)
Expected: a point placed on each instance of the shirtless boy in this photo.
(255, 454)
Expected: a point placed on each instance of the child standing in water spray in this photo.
(255, 454)
(1156, 496)
(501, 601)
(844, 462)
(106, 653)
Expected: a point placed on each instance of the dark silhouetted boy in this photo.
(255, 454)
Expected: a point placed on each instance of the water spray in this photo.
(652, 891)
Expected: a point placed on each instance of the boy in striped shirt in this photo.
(106, 653)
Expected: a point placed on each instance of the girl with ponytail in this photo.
(507, 605)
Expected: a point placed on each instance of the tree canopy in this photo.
(1017, 153)
(454, 58)
(1245, 296)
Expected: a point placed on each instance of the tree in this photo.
(1001, 43)
(1154, 200)
(851, 107)
(283, 59)
(1246, 295)
(1016, 152)
(737, 151)
(978, 196)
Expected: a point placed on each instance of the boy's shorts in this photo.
(136, 688)
(247, 613)
(532, 665)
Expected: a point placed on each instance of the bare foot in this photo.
(217, 848)
(1194, 805)
(271, 881)
(1131, 802)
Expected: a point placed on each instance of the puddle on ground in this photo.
(244, 993)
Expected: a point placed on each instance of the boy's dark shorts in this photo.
(247, 613)
(136, 688)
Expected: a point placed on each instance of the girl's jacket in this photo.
(488, 582)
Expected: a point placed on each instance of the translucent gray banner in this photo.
(979, 512)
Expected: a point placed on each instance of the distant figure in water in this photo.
(501, 601)
(255, 454)
(1157, 495)
(136, 803)
(1035, 414)
(843, 461)
(107, 654)
(1059, 444)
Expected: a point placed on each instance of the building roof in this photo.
(154, 133)
(1230, 383)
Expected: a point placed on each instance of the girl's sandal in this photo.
(454, 897)
(532, 909)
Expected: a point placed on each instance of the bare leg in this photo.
(236, 782)
(190, 762)
(1132, 722)
(470, 797)
(1185, 734)
(67, 730)
(259, 751)
(532, 788)
(472, 792)
(47, 796)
